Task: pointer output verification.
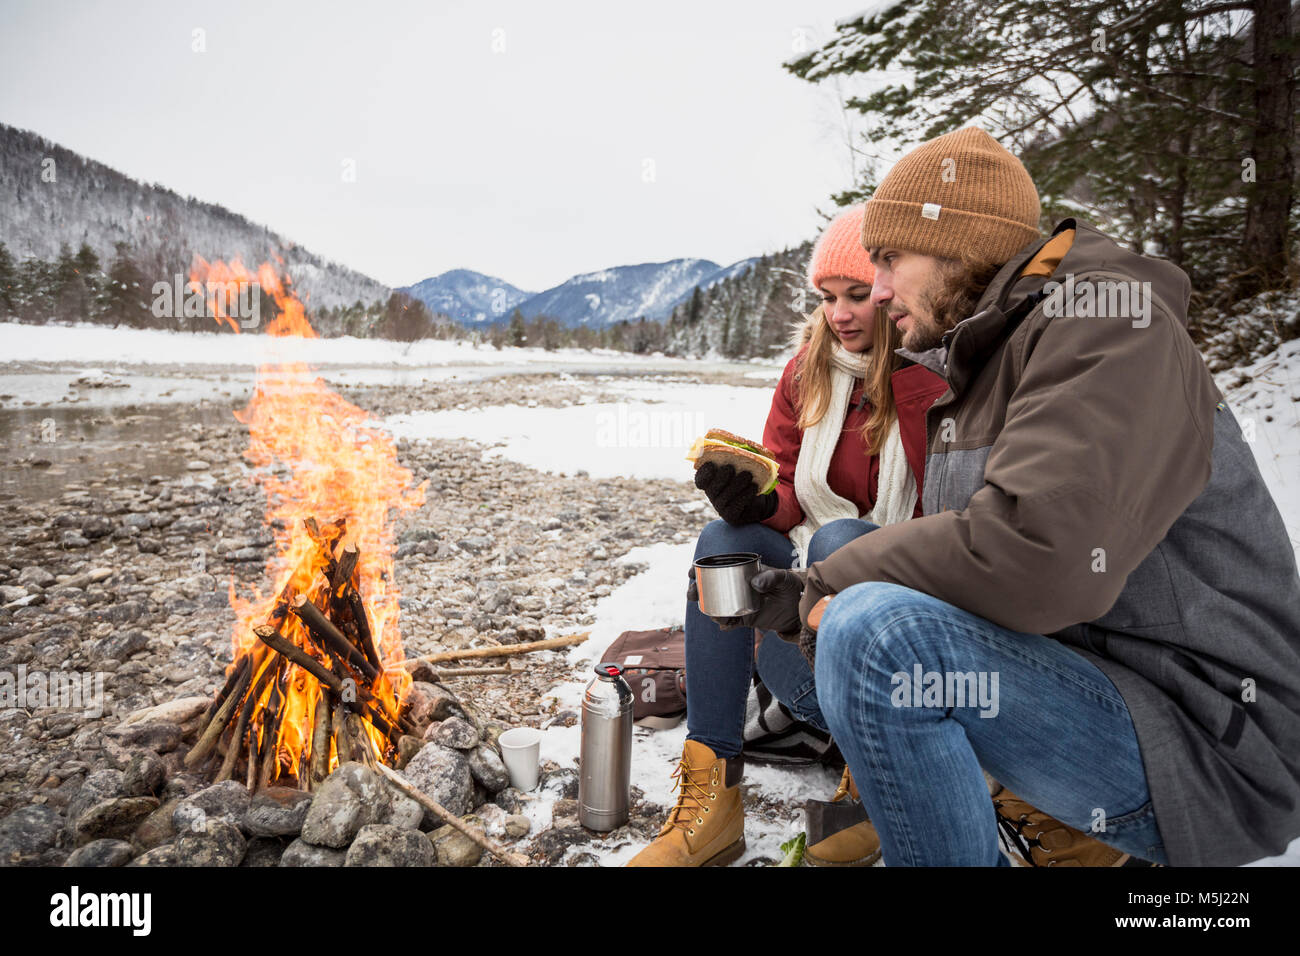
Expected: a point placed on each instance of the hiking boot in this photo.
(839, 833)
(707, 826)
(1040, 840)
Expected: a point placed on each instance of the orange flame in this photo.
(317, 459)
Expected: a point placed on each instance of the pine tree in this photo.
(517, 336)
(9, 292)
(126, 298)
(1136, 115)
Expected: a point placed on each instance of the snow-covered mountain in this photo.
(51, 196)
(602, 298)
(468, 297)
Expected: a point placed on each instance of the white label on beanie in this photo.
(930, 210)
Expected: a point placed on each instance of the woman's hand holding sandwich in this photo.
(734, 494)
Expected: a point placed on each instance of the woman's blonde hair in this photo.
(813, 374)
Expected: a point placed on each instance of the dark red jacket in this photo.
(852, 474)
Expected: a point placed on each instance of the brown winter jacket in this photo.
(1084, 480)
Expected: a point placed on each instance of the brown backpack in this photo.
(654, 666)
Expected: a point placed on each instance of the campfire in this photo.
(317, 677)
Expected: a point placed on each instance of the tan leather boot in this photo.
(1040, 840)
(707, 826)
(857, 844)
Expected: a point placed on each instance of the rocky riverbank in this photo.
(124, 581)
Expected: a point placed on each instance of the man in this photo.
(1101, 606)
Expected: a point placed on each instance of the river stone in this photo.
(517, 825)
(383, 844)
(99, 786)
(101, 853)
(404, 812)
(443, 775)
(263, 851)
(276, 811)
(301, 853)
(429, 702)
(96, 526)
(486, 767)
(35, 575)
(26, 834)
(455, 733)
(144, 775)
(219, 844)
(157, 828)
(180, 711)
(159, 736)
(454, 848)
(114, 819)
(227, 800)
(351, 797)
(510, 800)
(165, 855)
(120, 646)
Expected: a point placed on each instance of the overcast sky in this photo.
(527, 140)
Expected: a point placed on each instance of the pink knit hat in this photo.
(839, 251)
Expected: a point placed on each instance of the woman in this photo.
(847, 427)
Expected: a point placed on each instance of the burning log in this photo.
(227, 770)
(212, 733)
(363, 627)
(330, 637)
(320, 743)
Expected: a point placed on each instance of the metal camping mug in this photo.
(605, 764)
(723, 583)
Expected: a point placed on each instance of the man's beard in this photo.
(950, 296)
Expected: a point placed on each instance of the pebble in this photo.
(385, 844)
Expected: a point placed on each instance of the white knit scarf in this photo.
(896, 488)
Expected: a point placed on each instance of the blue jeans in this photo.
(720, 664)
(1057, 732)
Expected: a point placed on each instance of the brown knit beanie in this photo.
(960, 195)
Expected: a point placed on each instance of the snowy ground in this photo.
(107, 346)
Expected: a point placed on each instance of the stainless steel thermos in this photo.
(605, 771)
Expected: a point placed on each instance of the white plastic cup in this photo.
(521, 749)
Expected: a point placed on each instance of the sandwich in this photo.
(724, 448)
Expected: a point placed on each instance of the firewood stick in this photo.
(320, 741)
(268, 756)
(363, 627)
(471, 671)
(505, 650)
(231, 680)
(203, 749)
(285, 647)
(372, 709)
(347, 563)
(324, 630)
(250, 776)
(509, 857)
(236, 747)
(361, 741)
(339, 728)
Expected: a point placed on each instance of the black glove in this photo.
(779, 591)
(734, 495)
